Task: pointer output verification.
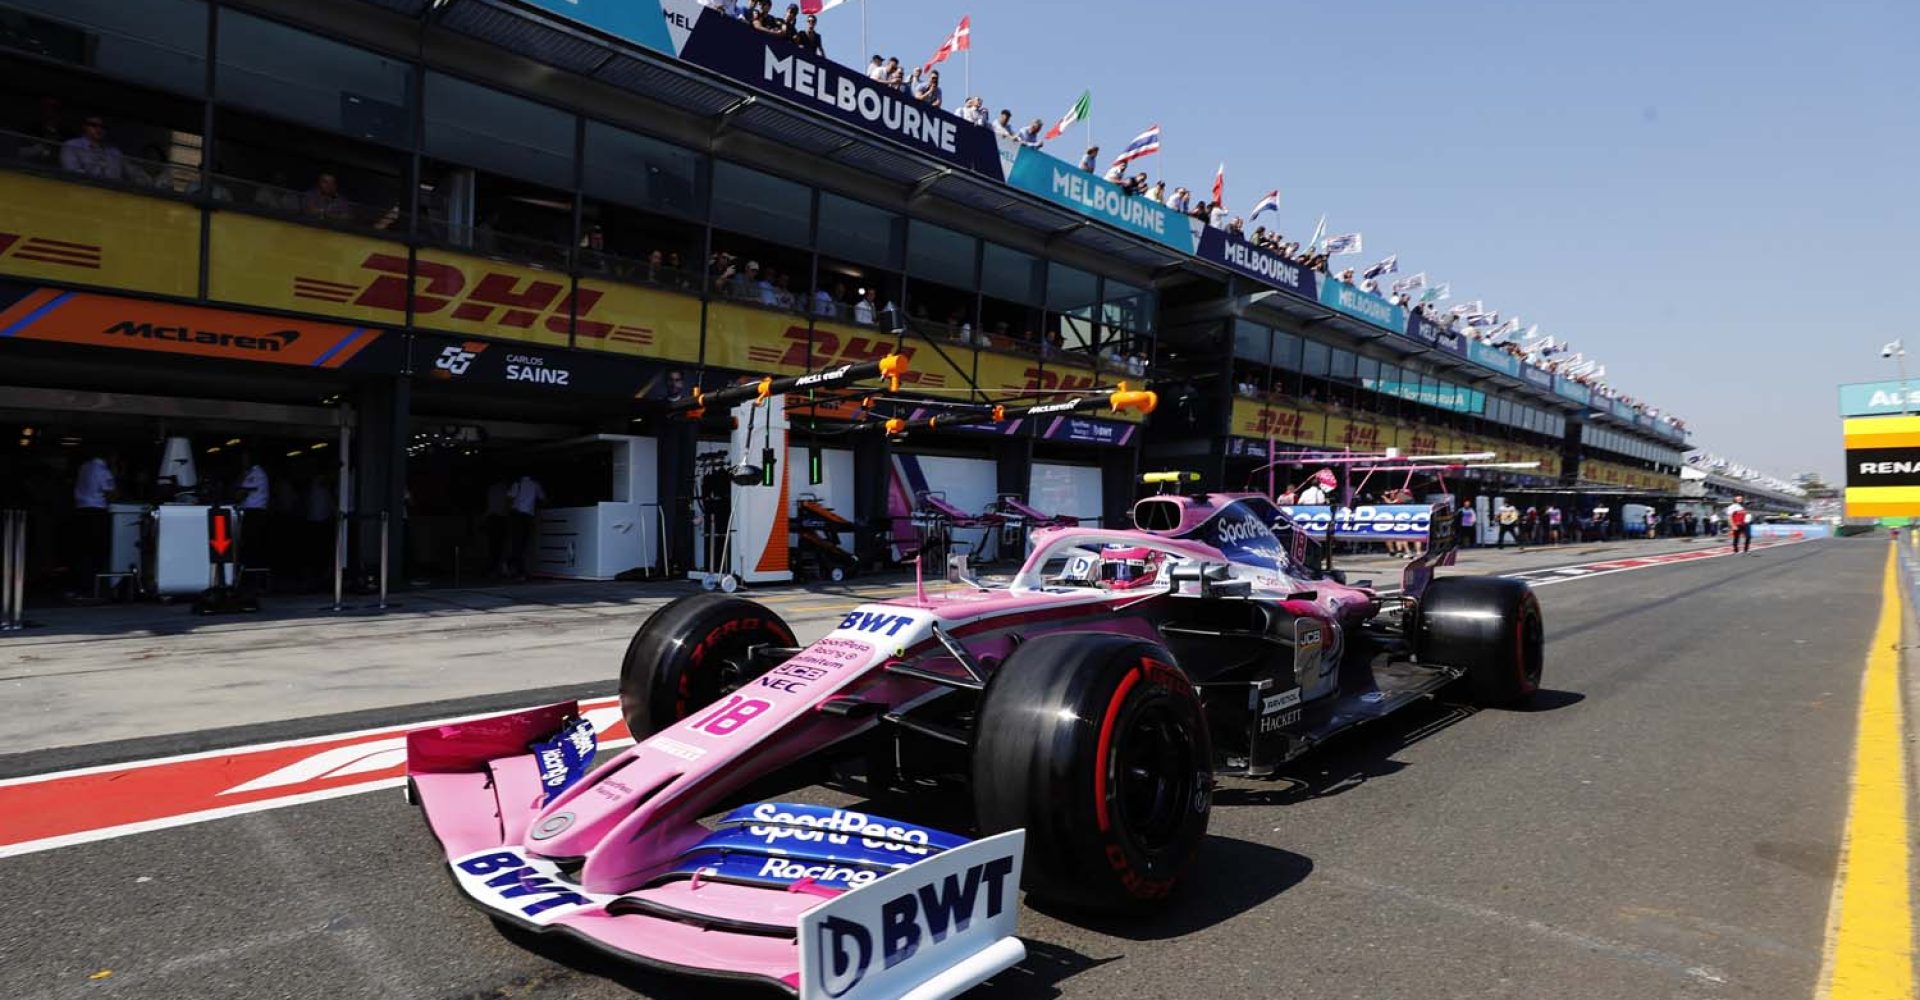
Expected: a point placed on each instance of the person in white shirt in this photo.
(1003, 127)
(92, 535)
(255, 528)
(877, 69)
(524, 498)
(863, 309)
(974, 111)
(1740, 522)
(1181, 200)
(1217, 217)
(1115, 174)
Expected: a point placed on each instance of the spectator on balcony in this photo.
(323, 200)
(863, 310)
(1217, 216)
(877, 69)
(1087, 162)
(928, 91)
(1003, 127)
(827, 303)
(90, 154)
(974, 111)
(764, 291)
(656, 272)
(1236, 225)
(896, 77)
(1030, 136)
(766, 23)
(790, 24)
(783, 292)
(1157, 193)
(43, 143)
(1181, 200)
(275, 196)
(808, 38)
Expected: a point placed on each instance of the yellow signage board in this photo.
(283, 265)
(79, 234)
(1883, 466)
(1358, 434)
(1286, 425)
(647, 322)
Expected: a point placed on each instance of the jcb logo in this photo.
(496, 299)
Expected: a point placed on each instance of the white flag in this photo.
(1412, 283)
(1345, 243)
(1318, 231)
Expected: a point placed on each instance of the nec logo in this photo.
(495, 299)
(456, 359)
(925, 915)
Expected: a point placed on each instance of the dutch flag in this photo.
(1270, 202)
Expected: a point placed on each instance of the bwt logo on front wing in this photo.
(923, 915)
(498, 299)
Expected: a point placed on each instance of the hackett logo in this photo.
(495, 299)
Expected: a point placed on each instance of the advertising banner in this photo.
(1360, 305)
(1270, 269)
(1359, 435)
(1285, 424)
(646, 322)
(488, 298)
(640, 23)
(1427, 332)
(1365, 523)
(1569, 389)
(1088, 430)
(1538, 377)
(1072, 188)
(1488, 356)
(733, 49)
(83, 318)
(77, 234)
(541, 370)
(1419, 439)
(1456, 398)
(1883, 466)
(283, 265)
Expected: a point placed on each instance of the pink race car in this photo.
(1087, 705)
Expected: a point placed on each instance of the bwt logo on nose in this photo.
(876, 621)
(926, 915)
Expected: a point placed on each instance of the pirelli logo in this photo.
(42, 250)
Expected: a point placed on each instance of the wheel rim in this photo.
(721, 672)
(1533, 635)
(1154, 760)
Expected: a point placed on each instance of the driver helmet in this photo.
(1124, 567)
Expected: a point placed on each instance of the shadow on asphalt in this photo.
(1228, 878)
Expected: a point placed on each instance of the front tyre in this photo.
(1491, 628)
(690, 653)
(1097, 745)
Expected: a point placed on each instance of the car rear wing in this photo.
(1432, 524)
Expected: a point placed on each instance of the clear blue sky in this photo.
(1684, 189)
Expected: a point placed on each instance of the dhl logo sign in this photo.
(501, 299)
(1423, 443)
(1364, 437)
(46, 250)
(809, 350)
(1289, 424)
(1063, 382)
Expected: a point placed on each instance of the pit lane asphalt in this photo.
(1665, 823)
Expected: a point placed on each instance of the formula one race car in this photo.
(1088, 706)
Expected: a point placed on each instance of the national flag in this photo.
(1438, 293)
(1319, 230)
(960, 41)
(1389, 266)
(1080, 110)
(1342, 244)
(1411, 284)
(819, 6)
(1269, 203)
(1507, 329)
(1220, 187)
(1145, 144)
(1474, 308)
(1529, 338)
(1542, 349)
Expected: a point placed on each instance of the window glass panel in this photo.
(749, 201)
(157, 42)
(1368, 371)
(1128, 307)
(1251, 342)
(1314, 358)
(941, 254)
(1343, 365)
(1071, 291)
(636, 170)
(1286, 351)
(860, 232)
(478, 127)
(1011, 275)
(304, 78)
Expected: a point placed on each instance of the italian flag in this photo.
(1080, 110)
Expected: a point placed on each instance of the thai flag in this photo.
(1145, 144)
(1269, 203)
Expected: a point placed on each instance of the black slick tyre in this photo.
(1097, 746)
(1489, 627)
(689, 653)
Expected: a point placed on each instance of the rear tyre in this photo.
(1097, 745)
(690, 653)
(1490, 627)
